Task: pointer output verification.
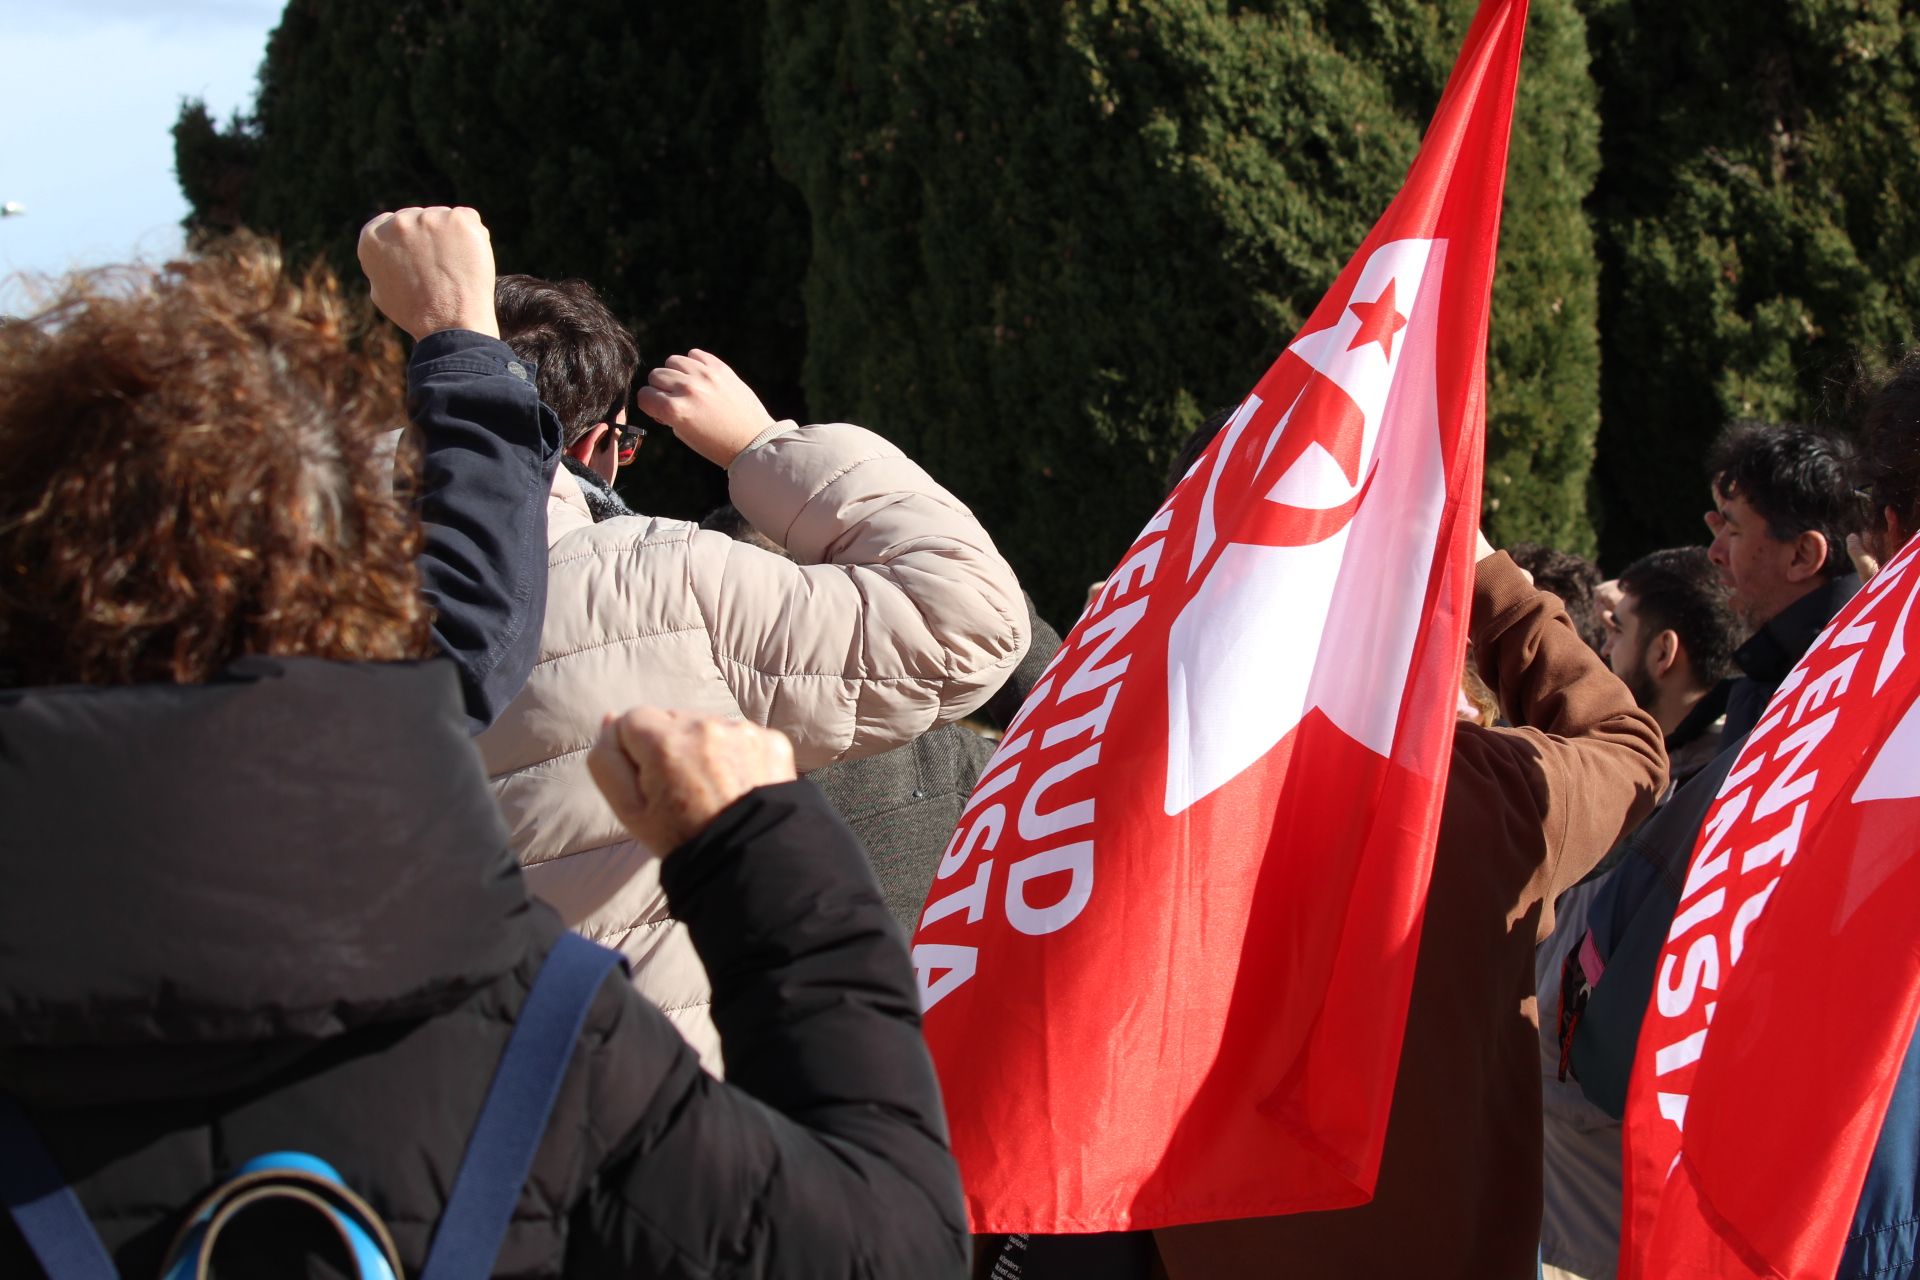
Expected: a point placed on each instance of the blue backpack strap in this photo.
(514, 1117)
(44, 1207)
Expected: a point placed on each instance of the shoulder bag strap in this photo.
(44, 1207)
(514, 1117)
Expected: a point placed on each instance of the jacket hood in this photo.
(200, 884)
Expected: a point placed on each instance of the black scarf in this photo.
(602, 502)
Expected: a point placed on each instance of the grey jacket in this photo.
(905, 803)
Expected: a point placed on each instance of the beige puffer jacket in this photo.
(898, 616)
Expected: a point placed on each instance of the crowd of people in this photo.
(318, 749)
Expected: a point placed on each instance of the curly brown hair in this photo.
(193, 469)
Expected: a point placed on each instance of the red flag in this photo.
(1167, 958)
(1789, 984)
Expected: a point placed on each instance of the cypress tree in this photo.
(1038, 245)
(1048, 242)
(618, 143)
(1543, 369)
(1759, 216)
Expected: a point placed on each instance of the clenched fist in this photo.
(431, 269)
(667, 774)
(713, 412)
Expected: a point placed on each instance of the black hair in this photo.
(1679, 590)
(1196, 444)
(1572, 578)
(1796, 478)
(1889, 465)
(585, 359)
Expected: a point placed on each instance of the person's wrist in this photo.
(480, 321)
(739, 447)
(747, 441)
(475, 320)
(722, 452)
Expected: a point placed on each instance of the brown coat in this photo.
(1528, 812)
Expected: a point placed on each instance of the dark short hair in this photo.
(1572, 578)
(1797, 478)
(586, 359)
(1679, 590)
(1196, 444)
(1889, 465)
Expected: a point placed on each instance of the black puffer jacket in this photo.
(278, 911)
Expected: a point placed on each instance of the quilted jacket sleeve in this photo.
(824, 1154)
(896, 613)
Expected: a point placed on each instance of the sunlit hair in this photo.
(1486, 706)
(193, 469)
(584, 360)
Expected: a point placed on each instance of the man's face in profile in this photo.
(1752, 562)
(1626, 650)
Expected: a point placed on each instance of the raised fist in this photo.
(431, 269)
(712, 411)
(667, 774)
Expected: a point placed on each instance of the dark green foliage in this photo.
(1543, 371)
(1039, 242)
(1759, 214)
(1049, 239)
(215, 168)
(615, 142)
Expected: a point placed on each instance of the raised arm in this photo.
(824, 1154)
(896, 613)
(489, 449)
(1582, 765)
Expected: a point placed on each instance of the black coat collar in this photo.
(1770, 653)
(1704, 715)
(297, 849)
(1766, 659)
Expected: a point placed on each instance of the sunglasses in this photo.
(626, 440)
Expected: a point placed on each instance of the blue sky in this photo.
(88, 93)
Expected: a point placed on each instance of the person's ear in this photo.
(582, 450)
(1890, 539)
(1809, 556)
(1663, 655)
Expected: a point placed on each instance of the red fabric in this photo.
(1789, 985)
(1167, 959)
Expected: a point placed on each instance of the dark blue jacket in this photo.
(489, 450)
(1884, 1243)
